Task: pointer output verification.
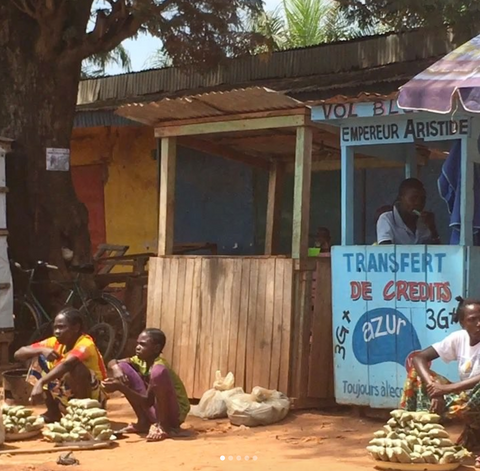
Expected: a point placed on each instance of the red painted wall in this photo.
(88, 183)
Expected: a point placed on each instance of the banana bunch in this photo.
(19, 419)
(85, 420)
(415, 437)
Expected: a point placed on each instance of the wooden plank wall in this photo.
(320, 380)
(227, 313)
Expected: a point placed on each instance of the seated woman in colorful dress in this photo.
(65, 366)
(153, 389)
(426, 390)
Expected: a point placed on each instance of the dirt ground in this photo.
(303, 442)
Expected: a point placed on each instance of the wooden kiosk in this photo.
(390, 301)
(249, 315)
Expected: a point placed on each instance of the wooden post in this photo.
(348, 193)
(299, 361)
(411, 161)
(469, 148)
(167, 196)
(301, 195)
(274, 207)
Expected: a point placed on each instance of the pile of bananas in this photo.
(85, 420)
(19, 419)
(415, 437)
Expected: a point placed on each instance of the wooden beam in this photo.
(223, 151)
(247, 124)
(348, 195)
(274, 207)
(411, 161)
(328, 165)
(301, 196)
(236, 117)
(167, 196)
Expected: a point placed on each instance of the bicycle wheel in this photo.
(104, 336)
(108, 309)
(26, 319)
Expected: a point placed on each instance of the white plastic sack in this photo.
(261, 407)
(223, 384)
(212, 405)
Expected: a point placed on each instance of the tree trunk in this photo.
(37, 109)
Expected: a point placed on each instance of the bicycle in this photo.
(107, 319)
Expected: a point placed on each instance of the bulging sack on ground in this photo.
(212, 405)
(223, 384)
(261, 407)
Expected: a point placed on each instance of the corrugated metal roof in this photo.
(92, 119)
(207, 105)
(328, 59)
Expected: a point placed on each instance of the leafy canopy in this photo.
(462, 16)
(302, 23)
(200, 31)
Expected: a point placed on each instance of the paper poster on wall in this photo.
(58, 160)
(388, 303)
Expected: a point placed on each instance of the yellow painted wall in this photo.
(130, 181)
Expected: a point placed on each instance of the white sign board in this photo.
(374, 131)
(58, 160)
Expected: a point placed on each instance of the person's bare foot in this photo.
(156, 433)
(135, 428)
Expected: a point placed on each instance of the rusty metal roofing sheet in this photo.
(327, 59)
(360, 98)
(207, 105)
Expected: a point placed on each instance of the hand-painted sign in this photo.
(375, 109)
(389, 302)
(406, 131)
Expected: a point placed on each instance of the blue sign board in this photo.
(389, 302)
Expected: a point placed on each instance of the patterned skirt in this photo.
(464, 405)
(59, 388)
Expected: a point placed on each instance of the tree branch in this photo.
(114, 31)
(24, 7)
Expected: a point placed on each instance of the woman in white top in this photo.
(407, 223)
(426, 390)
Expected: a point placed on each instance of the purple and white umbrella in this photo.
(434, 89)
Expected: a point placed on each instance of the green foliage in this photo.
(95, 66)
(301, 23)
(462, 16)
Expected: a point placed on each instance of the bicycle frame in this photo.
(29, 296)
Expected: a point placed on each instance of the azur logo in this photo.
(384, 335)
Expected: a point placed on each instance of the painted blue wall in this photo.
(377, 187)
(382, 185)
(214, 203)
(225, 202)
